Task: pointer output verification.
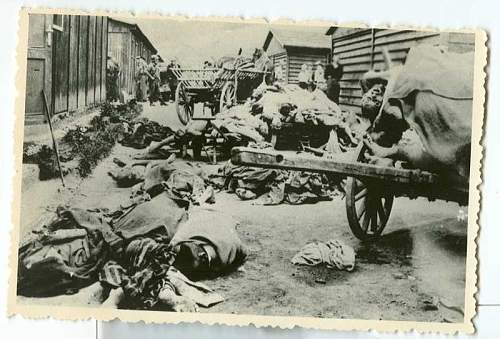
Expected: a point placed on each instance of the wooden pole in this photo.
(387, 58)
(54, 142)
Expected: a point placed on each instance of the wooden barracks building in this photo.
(67, 57)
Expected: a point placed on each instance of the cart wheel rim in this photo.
(183, 106)
(371, 208)
(227, 97)
(368, 207)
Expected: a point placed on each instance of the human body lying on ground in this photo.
(432, 94)
(206, 245)
(133, 254)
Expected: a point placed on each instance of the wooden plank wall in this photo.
(124, 45)
(297, 57)
(281, 61)
(361, 51)
(79, 61)
(82, 58)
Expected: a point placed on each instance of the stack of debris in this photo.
(274, 186)
(271, 108)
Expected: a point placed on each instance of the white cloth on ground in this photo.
(333, 253)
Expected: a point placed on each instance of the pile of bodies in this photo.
(275, 186)
(270, 109)
(272, 106)
(152, 251)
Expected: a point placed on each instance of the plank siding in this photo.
(125, 42)
(98, 60)
(60, 69)
(74, 62)
(297, 59)
(74, 65)
(91, 61)
(361, 50)
(104, 57)
(83, 63)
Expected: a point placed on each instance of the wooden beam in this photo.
(340, 165)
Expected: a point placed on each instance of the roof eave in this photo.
(331, 30)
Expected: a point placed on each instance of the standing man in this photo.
(112, 76)
(141, 88)
(172, 79)
(319, 77)
(333, 74)
(154, 80)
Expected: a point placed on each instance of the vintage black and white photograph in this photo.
(247, 171)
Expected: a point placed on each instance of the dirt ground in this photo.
(420, 257)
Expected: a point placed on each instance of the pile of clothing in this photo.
(272, 106)
(140, 133)
(297, 105)
(241, 124)
(183, 181)
(274, 186)
(151, 252)
(333, 254)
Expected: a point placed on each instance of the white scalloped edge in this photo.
(282, 322)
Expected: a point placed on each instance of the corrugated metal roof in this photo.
(312, 37)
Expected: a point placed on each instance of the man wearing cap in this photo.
(154, 80)
(171, 78)
(112, 76)
(333, 73)
(141, 79)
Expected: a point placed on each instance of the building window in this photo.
(58, 22)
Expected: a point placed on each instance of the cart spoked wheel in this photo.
(227, 96)
(183, 105)
(368, 206)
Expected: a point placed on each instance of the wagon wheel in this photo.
(183, 105)
(227, 96)
(368, 206)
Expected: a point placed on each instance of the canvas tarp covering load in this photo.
(441, 109)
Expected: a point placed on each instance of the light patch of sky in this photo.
(192, 42)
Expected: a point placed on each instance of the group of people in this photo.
(148, 80)
(324, 78)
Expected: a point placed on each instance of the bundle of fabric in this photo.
(152, 270)
(208, 245)
(158, 217)
(64, 254)
(239, 122)
(273, 186)
(150, 281)
(144, 131)
(182, 181)
(333, 254)
(434, 92)
(293, 103)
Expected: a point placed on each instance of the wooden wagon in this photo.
(217, 88)
(370, 189)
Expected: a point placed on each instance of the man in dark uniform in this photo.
(333, 74)
(154, 80)
(112, 75)
(172, 79)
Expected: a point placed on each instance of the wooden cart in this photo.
(217, 88)
(370, 189)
